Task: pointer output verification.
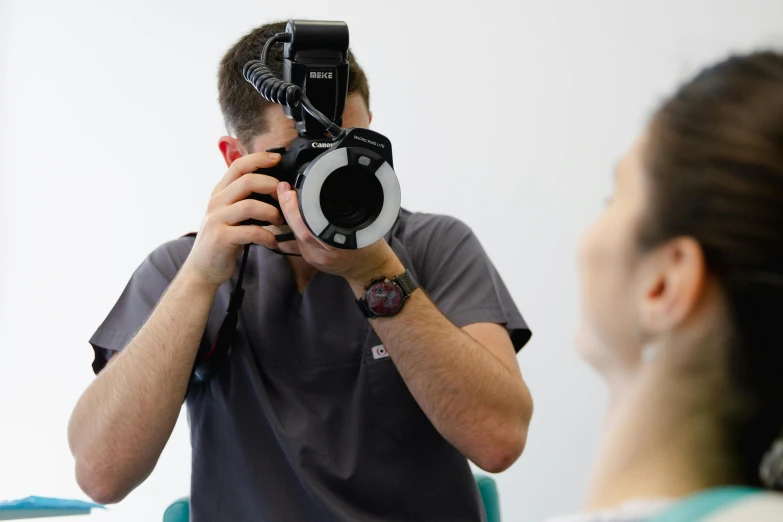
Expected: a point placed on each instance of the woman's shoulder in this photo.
(637, 510)
(722, 504)
(726, 504)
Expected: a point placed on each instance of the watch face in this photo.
(384, 298)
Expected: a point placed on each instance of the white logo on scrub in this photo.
(379, 352)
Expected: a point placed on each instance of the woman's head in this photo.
(688, 255)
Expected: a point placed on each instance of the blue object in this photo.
(179, 511)
(701, 505)
(38, 507)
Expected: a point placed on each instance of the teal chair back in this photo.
(179, 511)
(489, 495)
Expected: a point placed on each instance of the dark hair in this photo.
(242, 107)
(715, 164)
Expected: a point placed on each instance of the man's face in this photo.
(281, 133)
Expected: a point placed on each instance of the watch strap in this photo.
(365, 308)
(406, 282)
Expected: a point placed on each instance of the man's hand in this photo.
(357, 266)
(221, 238)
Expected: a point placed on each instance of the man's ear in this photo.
(231, 149)
(370, 114)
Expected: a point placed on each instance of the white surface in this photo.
(508, 115)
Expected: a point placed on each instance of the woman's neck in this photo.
(661, 435)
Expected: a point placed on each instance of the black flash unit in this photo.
(316, 59)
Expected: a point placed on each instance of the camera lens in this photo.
(351, 197)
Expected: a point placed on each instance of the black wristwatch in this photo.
(385, 297)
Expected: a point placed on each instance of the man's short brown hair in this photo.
(242, 106)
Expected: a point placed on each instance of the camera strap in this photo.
(206, 364)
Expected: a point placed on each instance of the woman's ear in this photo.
(674, 281)
(231, 149)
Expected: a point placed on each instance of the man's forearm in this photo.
(124, 419)
(475, 401)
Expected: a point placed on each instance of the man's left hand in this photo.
(357, 266)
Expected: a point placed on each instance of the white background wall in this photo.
(509, 117)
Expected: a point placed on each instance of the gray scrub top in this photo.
(309, 420)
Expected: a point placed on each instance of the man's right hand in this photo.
(220, 239)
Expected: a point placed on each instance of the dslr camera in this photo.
(349, 195)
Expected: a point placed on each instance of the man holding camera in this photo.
(319, 413)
